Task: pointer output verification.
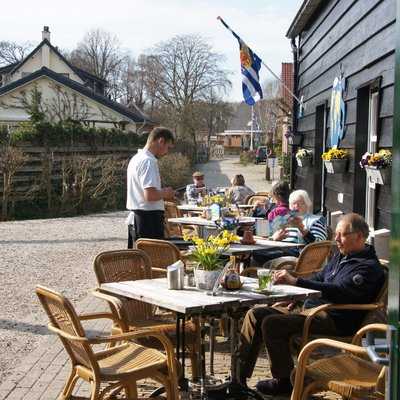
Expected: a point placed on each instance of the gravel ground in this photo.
(57, 253)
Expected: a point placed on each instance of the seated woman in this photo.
(238, 190)
(303, 228)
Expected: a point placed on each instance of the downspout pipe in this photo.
(295, 107)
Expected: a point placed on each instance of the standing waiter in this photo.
(145, 197)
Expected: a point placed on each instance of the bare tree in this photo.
(12, 52)
(100, 53)
(180, 73)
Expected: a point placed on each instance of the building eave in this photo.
(302, 17)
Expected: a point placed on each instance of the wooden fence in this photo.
(45, 168)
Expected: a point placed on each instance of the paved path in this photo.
(219, 173)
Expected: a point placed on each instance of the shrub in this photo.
(247, 156)
(175, 170)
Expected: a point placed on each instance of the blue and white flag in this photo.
(250, 65)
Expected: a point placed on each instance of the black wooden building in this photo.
(355, 38)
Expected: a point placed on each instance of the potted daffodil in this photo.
(335, 160)
(377, 166)
(207, 253)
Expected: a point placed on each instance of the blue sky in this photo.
(139, 24)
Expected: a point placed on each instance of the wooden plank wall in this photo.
(31, 172)
(360, 35)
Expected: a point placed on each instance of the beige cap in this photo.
(197, 174)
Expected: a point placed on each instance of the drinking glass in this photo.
(264, 279)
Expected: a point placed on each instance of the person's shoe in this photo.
(275, 386)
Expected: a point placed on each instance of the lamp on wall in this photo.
(292, 138)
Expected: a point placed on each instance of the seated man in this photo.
(196, 188)
(353, 275)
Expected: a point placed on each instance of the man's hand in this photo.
(279, 234)
(284, 278)
(168, 193)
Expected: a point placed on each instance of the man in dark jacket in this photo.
(353, 275)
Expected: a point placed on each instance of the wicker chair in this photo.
(129, 265)
(161, 253)
(252, 199)
(121, 366)
(310, 260)
(348, 374)
(172, 211)
(376, 312)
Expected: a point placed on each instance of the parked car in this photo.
(261, 154)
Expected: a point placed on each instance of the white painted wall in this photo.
(46, 57)
(10, 108)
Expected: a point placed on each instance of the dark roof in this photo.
(136, 116)
(7, 68)
(87, 75)
(302, 17)
(84, 75)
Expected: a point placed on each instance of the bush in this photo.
(247, 157)
(175, 170)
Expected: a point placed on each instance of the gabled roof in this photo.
(84, 75)
(302, 17)
(136, 116)
(7, 68)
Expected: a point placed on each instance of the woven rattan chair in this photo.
(161, 253)
(348, 374)
(130, 265)
(311, 259)
(121, 366)
(376, 312)
(254, 198)
(172, 211)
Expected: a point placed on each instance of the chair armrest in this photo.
(324, 307)
(308, 350)
(368, 328)
(97, 315)
(113, 301)
(67, 335)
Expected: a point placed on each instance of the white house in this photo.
(66, 91)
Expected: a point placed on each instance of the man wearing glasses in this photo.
(352, 276)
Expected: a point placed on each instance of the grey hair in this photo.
(296, 194)
(357, 223)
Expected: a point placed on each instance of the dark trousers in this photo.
(262, 256)
(274, 327)
(147, 224)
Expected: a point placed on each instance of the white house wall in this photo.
(10, 108)
(37, 61)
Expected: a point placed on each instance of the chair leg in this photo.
(194, 361)
(69, 385)
(131, 390)
(95, 388)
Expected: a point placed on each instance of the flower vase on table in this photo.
(207, 253)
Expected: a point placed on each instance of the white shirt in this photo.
(143, 173)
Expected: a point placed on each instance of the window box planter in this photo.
(336, 166)
(304, 162)
(380, 176)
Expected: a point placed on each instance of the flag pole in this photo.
(251, 129)
(263, 63)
